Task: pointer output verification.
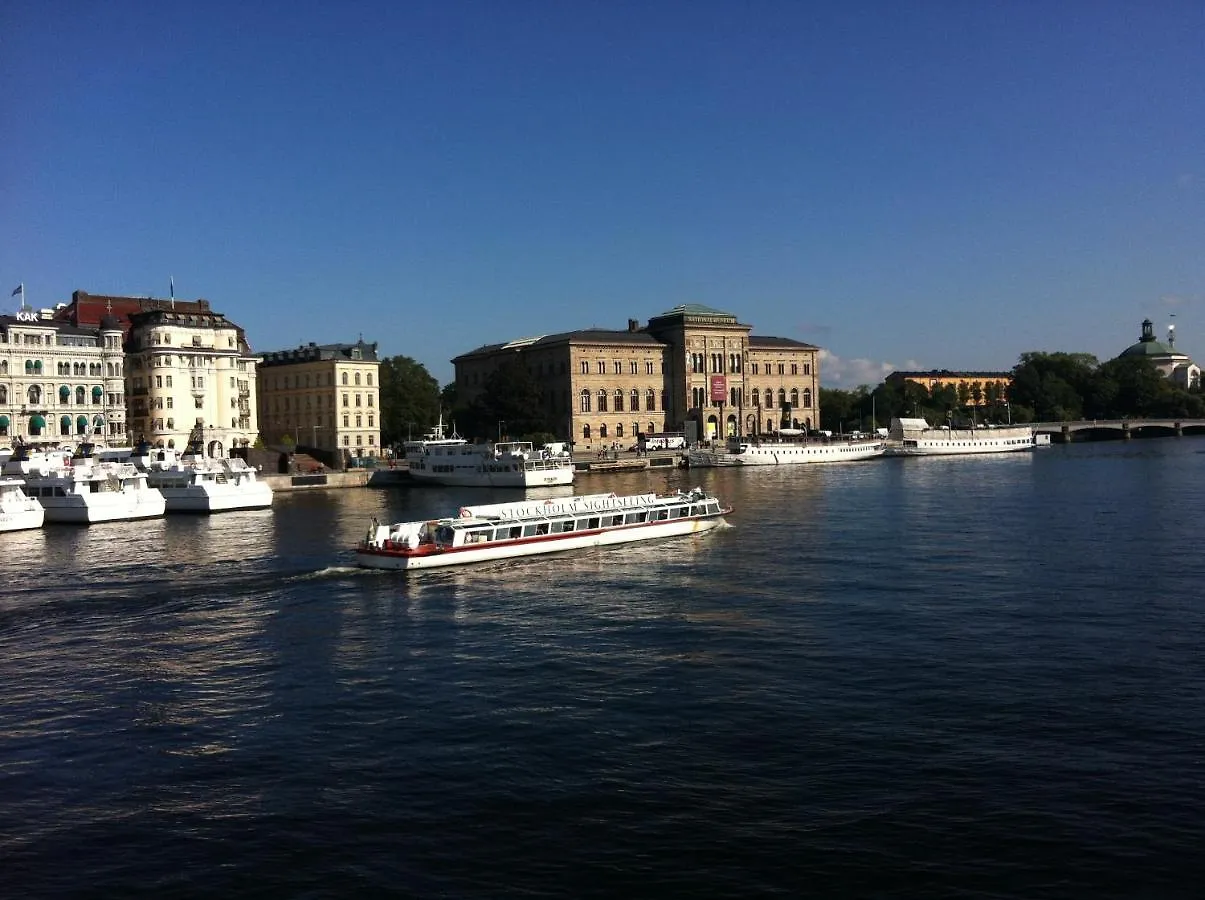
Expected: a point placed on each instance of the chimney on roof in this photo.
(633, 326)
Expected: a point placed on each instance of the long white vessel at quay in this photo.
(528, 528)
(517, 464)
(744, 452)
(915, 437)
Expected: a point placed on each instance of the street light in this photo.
(501, 428)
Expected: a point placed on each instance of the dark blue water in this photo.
(912, 678)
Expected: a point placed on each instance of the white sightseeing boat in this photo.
(915, 437)
(510, 464)
(433, 439)
(18, 511)
(83, 489)
(743, 452)
(195, 483)
(527, 528)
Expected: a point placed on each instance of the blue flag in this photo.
(19, 289)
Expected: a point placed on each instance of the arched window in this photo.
(619, 430)
(29, 367)
(585, 402)
(756, 397)
(602, 431)
(3, 366)
(81, 425)
(586, 432)
(650, 399)
(3, 393)
(618, 400)
(35, 395)
(782, 397)
(65, 425)
(345, 378)
(37, 367)
(357, 378)
(663, 401)
(64, 394)
(79, 394)
(795, 398)
(807, 397)
(634, 399)
(602, 401)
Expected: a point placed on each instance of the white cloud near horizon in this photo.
(849, 373)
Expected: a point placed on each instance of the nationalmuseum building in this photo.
(323, 396)
(692, 369)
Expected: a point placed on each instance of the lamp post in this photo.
(501, 428)
(314, 434)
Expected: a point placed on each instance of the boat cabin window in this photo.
(635, 517)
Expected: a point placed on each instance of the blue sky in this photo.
(907, 185)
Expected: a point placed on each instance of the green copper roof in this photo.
(695, 309)
(1146, 348)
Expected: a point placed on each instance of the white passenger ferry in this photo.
(509, 464)
(743, 452)
(17, 510)
(915, 437)
(193, 482)
(507, 530)
(84, 490)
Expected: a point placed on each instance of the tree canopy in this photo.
(409, 399)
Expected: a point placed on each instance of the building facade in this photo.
(692, 369)
(60, 382)
(189, 369)
(322, 396)
(973, 388)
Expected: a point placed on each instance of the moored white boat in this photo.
(194, 483)
(18, 511)
(515, 464)
(915, 437)
(84, 490)
(742, 452)
(528, 528)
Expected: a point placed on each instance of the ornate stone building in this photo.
(323, 396)
(692, 369)
(1176, 367)
(190, 368)
(60, 382)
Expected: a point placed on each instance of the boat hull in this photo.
(529, 479)
(196, 499)
(115, 507)
(373, 558)
(22, 519)
(786, 454)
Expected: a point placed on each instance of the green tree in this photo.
(409, 399)
(511, 405)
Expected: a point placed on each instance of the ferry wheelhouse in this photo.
(528, 528)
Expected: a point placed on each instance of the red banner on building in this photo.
(719, 388)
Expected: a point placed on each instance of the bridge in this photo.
(1104, 429)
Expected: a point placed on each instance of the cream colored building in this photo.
(187, 369)
(60, 382)
(693, 369)
(323, 396)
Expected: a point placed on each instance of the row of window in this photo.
(618, 431)
(733, 364)
(701, 397)
(34, 396)
(616, 367)
(282, 381)
(616, 400)
(94, 370)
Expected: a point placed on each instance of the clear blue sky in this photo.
(932, 184)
